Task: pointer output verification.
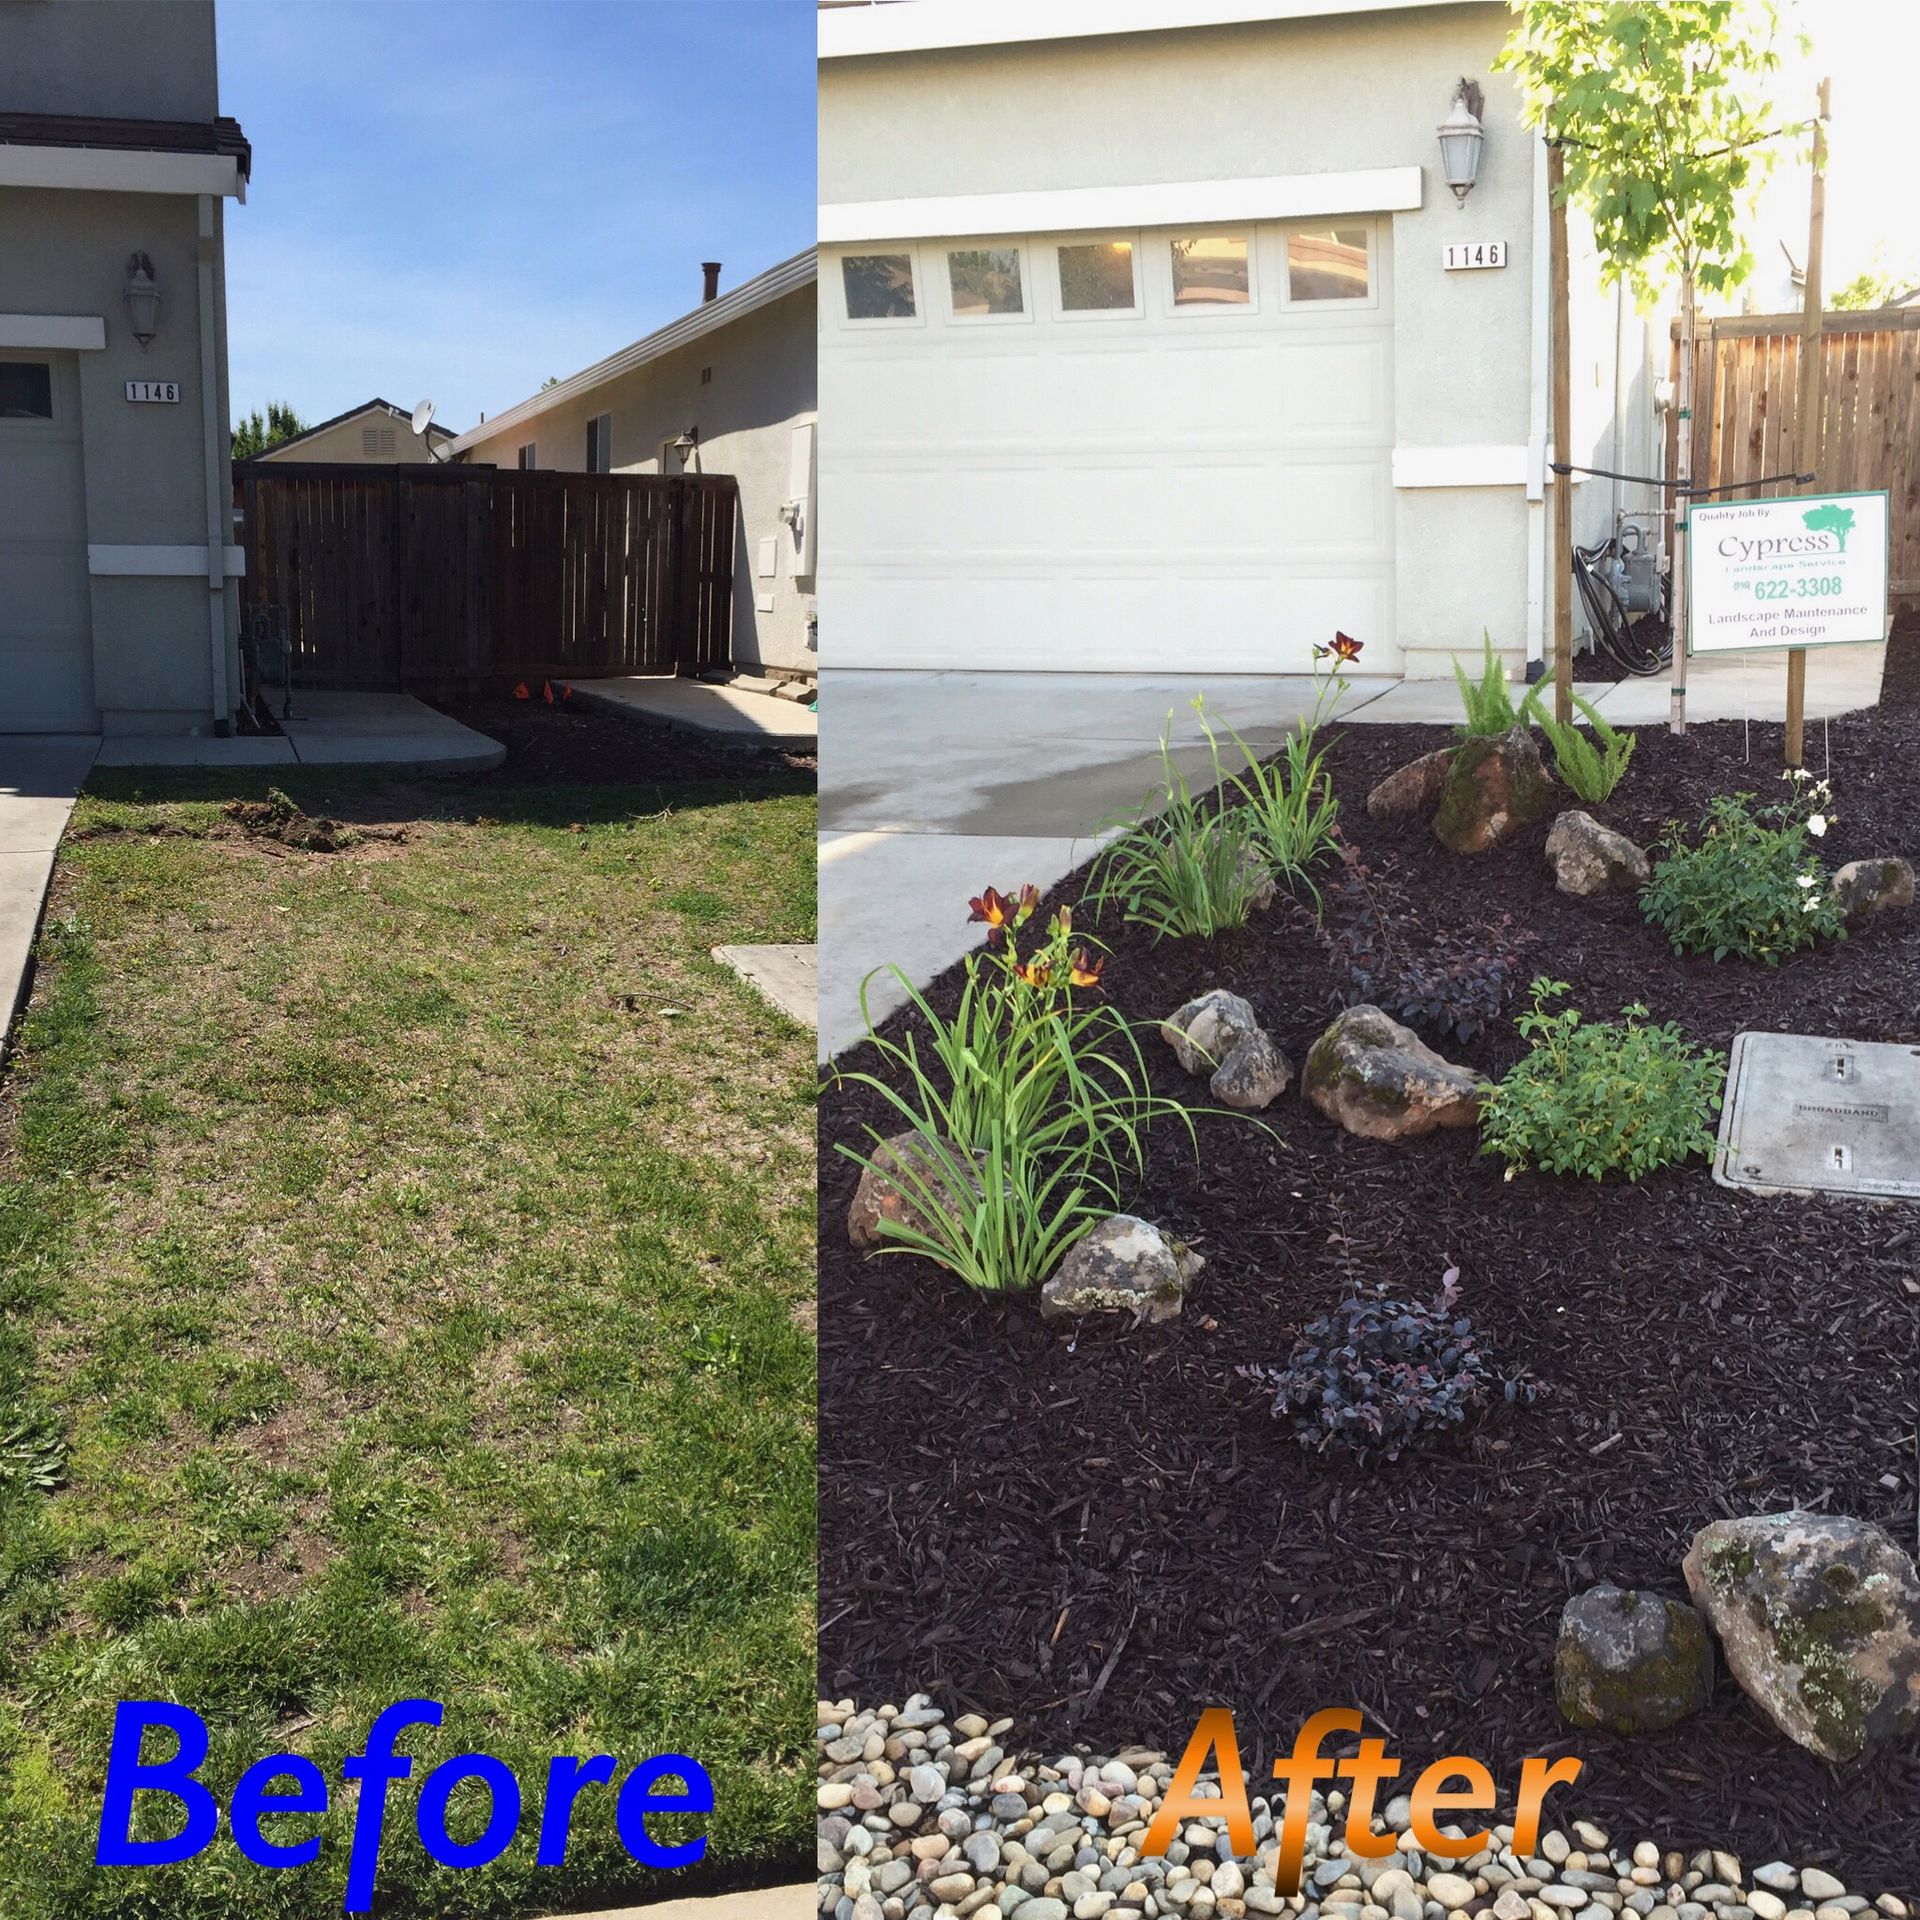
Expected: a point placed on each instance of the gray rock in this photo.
(1865, 887)
(1124, 1265)
(1588, 858)
(1380, 1080)
(1494, 788)
(1412, 789)
(1208, 1028)
(1819, 1620)
(1254, 1075)
(1631, 1662)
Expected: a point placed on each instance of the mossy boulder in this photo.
(1496, 785)
(1819, 1621)
(1125, 1265)
(1631, 1662)
(1863, 888)
(1380, 1080)
(909, 1181)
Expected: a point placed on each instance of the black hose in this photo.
(1611, 627)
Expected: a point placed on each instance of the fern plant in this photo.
(1592, 766)
(1488, 699)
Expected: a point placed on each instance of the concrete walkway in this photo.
(772, 1903)
(787, 973)
(40, 777)
(327, 730)
(749, 718)
(933, 785)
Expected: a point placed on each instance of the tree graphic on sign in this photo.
(1837, 521)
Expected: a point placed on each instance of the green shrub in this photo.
(1188, 864)
(1594, 1098)
(1591, 766)
(1488, 700)
(1750, 885)
(1027, 1115)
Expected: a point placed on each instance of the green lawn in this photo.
(406, 1265)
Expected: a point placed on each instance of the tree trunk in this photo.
(1680, 503)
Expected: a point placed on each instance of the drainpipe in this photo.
(212, 429)
(1538, 370)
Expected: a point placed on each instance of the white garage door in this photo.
(46, 654)
(1148, 451)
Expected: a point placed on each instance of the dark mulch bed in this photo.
(1104, 1536)
(572, 744)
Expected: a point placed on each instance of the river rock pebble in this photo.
(1011, 1835)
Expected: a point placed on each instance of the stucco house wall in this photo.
(64, 252)
(746, 389)
(1344, 92)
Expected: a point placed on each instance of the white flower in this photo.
(1796, 773)
(1811, 904)
(1817, 826)
(1806, 880)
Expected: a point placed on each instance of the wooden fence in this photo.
(461, 576)
(1746, 385)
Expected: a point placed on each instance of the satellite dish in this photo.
(422, 416)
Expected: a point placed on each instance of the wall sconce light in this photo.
(687, 446)
(1461, 135)
(142, 294)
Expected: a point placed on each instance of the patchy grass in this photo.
(406, 1257)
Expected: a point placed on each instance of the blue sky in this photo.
(457, 198)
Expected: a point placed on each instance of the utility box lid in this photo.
(1806, 1115)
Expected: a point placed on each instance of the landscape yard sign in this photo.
(1805, 572)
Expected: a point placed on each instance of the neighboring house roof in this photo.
(435, 431)
(913, 26)
(221, 136)
(709, 317)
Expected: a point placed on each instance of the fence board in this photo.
(1746, 399)
(453, 576)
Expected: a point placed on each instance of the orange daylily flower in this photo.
(1082, 972)
(1036, 972)
(996, 910)
(1344, 648)
(1029, 903)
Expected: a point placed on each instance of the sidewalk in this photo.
(748, 718)
(328, 730)
(933, 785)
(40, 777)
(773, 1903)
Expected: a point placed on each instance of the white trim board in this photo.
(160, 563)
(54, 332)
(1281, 196)
(1460, 466)
(120, 170)
(914, 26)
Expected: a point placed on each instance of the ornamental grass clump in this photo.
(1590, 764)
(1750, 885)
(1377, 1374)
(1593, 1098)
(1186, 864)
(1026, 1110)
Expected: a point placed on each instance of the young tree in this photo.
(1667, 124)
(255, 433)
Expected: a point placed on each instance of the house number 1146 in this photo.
(1465, 254)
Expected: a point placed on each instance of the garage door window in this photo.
(1097, 277)
(879, 286)
(985, 283)
(1212, 271)
(26, 390)
(1327, 263)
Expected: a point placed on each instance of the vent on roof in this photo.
(376, 442)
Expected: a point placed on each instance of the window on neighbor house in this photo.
(1097, 277)
(879, 286)
(1327, 263)
(376, 442)
(529, 459)
(600, 443)
(26, 390)
(1211, 270)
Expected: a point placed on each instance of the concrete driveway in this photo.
(933, 785)
(40, 777)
